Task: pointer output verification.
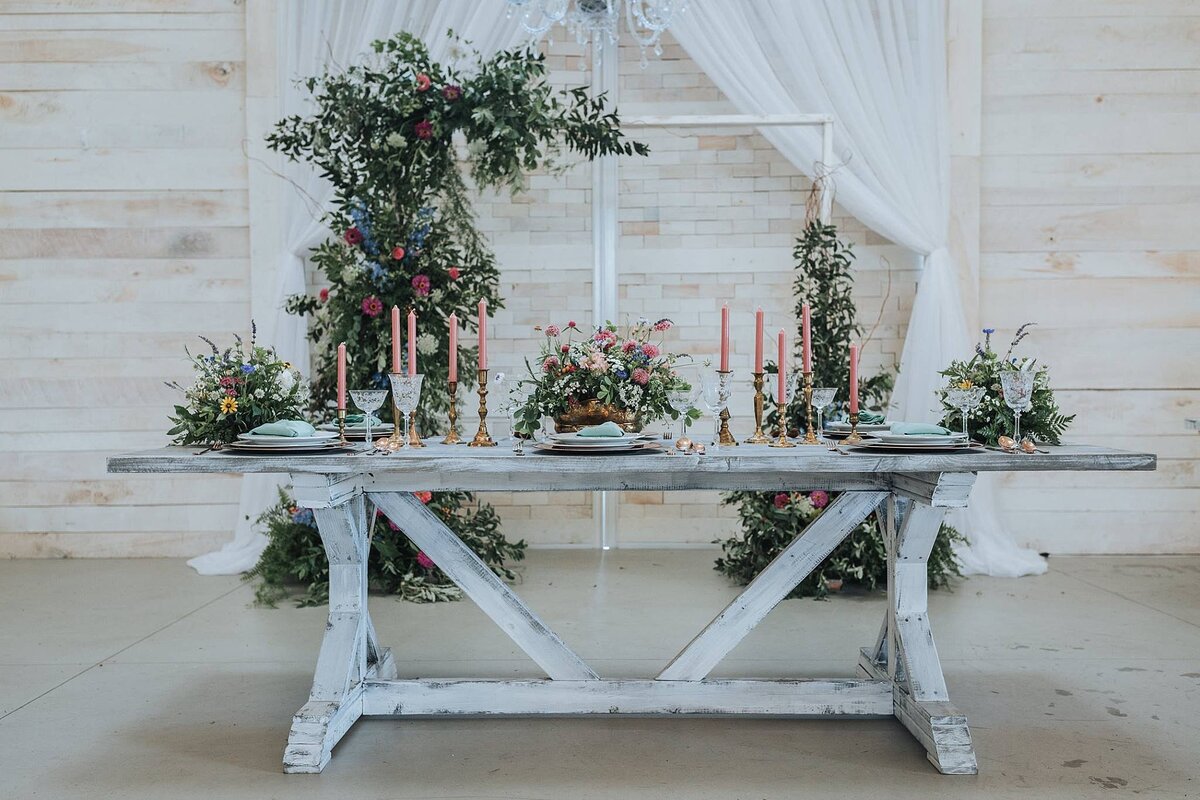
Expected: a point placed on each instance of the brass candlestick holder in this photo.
(725, 438)
(341, 418)
(853, 438)
(759, 437)
(414, 438)
(781, 429)
(452, 437)
(482, 437)
(810, 437)
(396, 440)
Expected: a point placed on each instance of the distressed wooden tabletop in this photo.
(446, 467)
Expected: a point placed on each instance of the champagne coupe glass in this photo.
(368, 401)
(407, 391)
(821, 398)
(714, 391)
(1018, 395)
(517, 398)
(965, 399)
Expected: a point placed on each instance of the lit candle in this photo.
(725, 337)
(806, 320)
(853, 379)
(453, 348)
(483, 334)
(412, 343)
(758, 340)
(341, 377)
(781, 390)
(396, 339)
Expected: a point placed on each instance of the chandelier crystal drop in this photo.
(599, 20)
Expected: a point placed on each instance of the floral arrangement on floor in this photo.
(627, 372)
(235, 390)
(294, 564)
(1042, 420)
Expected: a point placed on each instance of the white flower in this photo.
(427, 344)
(287, 379)
(259, 394)
(395, 140)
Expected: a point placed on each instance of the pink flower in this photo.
(424, 497)
(819, 498)
(550, 363)
(605, 339)
(420, 284)
(596, 362)
(565, 348)
(650, 350)
(629, 346)
(552, 330)
(782, 499)
(353, 236)
(424, 129)
(662, 325)
(423, 82)
(397, 252)
(372, 306)
(640, 376)
(453, 272)
(452, 92)
(425, 561)
(571, 324)
(323, 295)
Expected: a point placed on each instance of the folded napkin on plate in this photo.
(285, 427)
(918, 429)
(361, 419)
(870, 418)
(608, 429)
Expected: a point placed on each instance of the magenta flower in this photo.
(353, 236)
(423, 82)
(424, 129)
(629, 346)
(782, 499)
(453, 272)
(425, 561)
(819, 498)
(452, 92)
(552, 330)
(662, 325)
(550, 363)
(420, 284)
(372, 306)
(650, 351)
(323, 295)
(565, 348)
(605, 339)
(640, 376)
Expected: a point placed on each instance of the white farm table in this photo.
(899, 673)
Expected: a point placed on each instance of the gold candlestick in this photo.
(810, 437)
(396, 440)
(781, 429)
(853, 438)
(341, 418)
(452, 437)
(414, 438)
(759, 437)
(725, 438)
(482, 437)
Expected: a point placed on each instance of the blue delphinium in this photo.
(362, 221)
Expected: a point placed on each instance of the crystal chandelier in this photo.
(589, 20)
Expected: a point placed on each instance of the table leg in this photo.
(905, 653)
(350, 652)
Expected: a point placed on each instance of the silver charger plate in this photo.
(924, 438)
(332, 446)
(287, 441)
(863, 427)
(631, 447)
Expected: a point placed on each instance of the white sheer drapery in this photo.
(315, 35)
(879, 66)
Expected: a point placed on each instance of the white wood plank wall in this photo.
(123, 235)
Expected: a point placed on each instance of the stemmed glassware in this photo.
(821, 398)
(792, 383)
(407, 391)
(683, 400)
(368, 401)
(715, 391)
(966, 399)
(1018, 393)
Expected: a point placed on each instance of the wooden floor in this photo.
(139, 679)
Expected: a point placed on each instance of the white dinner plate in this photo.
(320, 437)
(632, 447)
(575, 440)
(863, 427)
(925, 438)
(267, 449)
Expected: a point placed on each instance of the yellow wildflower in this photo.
(228, 405)
(965, 384)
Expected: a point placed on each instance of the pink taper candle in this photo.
(341, 377)
(781, 389)
(483, 334)
(412, 343)
(725, 337)
(853, 379)
(806, 320)
(396, 362)
(453, 348)
(758, 340)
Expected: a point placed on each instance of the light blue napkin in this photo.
(285, 427)
(360, 420)
(607, 430)
(918, 429)
(870, 418)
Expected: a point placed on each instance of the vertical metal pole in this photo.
(825, 169)
(605, 58)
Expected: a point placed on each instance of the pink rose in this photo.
(550, 363)
(353, 236)
(423, 82)
(425, 561)
(424, 497)
(323, 295)
(372, 306)
(640, 376)
(397, 253)
(552, 330)
(420, 284)
(782, 499)
(452, 92)
(424, 129)
(453, 272)
(819, 498)
(650, 350)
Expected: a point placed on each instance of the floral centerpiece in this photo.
(1042, 419)
(583, 379)
(235, 390)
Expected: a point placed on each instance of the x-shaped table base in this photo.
(900, 674)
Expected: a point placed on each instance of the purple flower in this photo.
(989, 331)
(424, 129)
(819, 498)
(420, 284)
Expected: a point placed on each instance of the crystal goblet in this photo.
(1018, 395)
(407, 391)
(821, 398)
(714, 391)
(966, 400)
(368, 401)
(683, 399)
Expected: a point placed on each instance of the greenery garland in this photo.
(772, 520)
